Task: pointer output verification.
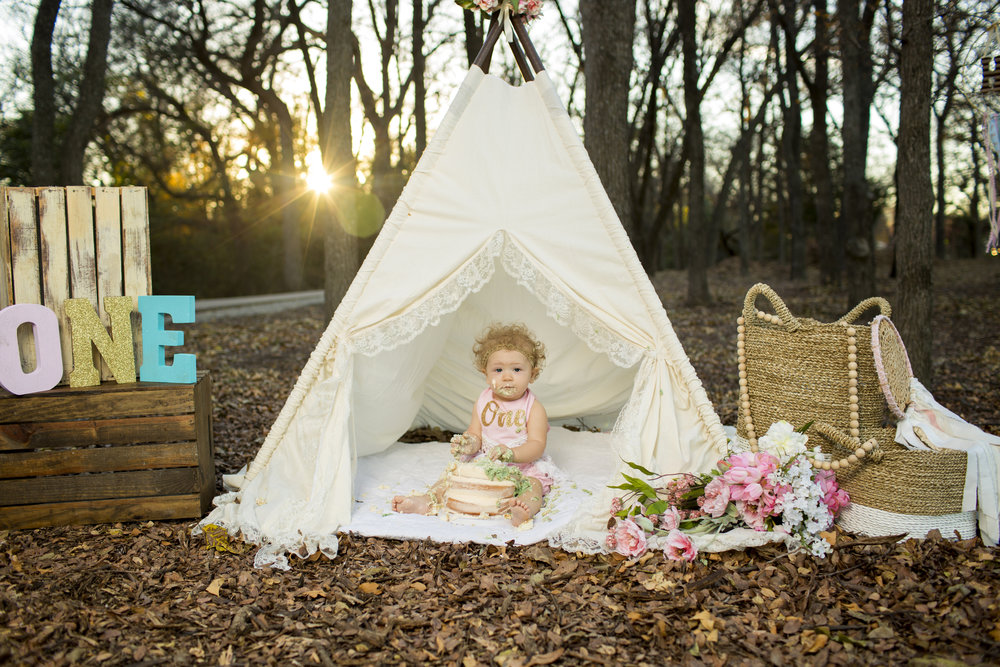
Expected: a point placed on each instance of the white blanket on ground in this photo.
(587, 459)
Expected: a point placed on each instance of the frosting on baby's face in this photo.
(509, 374)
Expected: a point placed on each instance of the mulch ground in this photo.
(151, 593)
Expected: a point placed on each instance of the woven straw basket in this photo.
(799, 370)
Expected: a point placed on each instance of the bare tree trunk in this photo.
(746, 167)
(90, 95)
(977, 223)
(341, 247)
(946, 89)
(856, 207)
(829, 228)
(419, 85)
(473, 35)
(285, 192)
(915, 242)
(791, 145)
(608, 29)
(698, 250)
(43, 169)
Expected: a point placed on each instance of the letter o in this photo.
(48, 354)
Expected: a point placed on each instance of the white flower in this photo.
(783, 441)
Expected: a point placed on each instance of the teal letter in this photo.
(155, 338)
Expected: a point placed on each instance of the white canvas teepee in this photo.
(504, 219)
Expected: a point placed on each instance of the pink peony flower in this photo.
(752, 492)
(716, 498)
(739, 475)
(679, 546)
(671, 519)
(630, 539)
(487, 5)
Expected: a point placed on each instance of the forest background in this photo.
(274, 135)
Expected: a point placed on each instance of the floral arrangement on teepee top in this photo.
(531, 9)
(773, 489)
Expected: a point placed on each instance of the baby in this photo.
(508, 425)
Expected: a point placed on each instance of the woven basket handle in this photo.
(846, 442)
(781, 310)
(871, 302)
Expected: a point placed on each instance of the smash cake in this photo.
(482, 488)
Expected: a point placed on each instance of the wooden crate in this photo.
(113, 452)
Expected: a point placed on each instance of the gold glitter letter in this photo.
(88, 332)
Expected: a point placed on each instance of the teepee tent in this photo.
(504, 219)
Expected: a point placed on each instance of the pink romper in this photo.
(506, 423)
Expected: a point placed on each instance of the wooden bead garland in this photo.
(852, 391)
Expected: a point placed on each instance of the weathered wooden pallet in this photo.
(113, 452)
(74, 242)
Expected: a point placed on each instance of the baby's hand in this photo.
(502, 453)
(465, 446)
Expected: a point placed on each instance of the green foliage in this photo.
(15, 150)
(194, 253)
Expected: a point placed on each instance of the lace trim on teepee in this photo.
(442, 301)
(563, 310)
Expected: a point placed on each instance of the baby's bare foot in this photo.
(519, 512)
(411, 504)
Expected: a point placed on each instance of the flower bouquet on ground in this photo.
(774, 490)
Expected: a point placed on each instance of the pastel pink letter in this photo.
(48, 355)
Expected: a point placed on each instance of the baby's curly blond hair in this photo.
(515, 337)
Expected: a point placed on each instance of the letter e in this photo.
(155, 338)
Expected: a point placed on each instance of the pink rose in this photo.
(679, 546)
(487, 5)
(671, 519)
(716, 498)
(630, 539)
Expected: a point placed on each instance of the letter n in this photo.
(88, 332)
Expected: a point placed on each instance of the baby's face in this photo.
(509, 374)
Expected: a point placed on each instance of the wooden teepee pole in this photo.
(526, 58)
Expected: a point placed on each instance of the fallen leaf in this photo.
(545, 658)
(705, 619)
(215, 586)
(814, 641)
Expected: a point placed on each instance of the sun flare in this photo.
(318, 180)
